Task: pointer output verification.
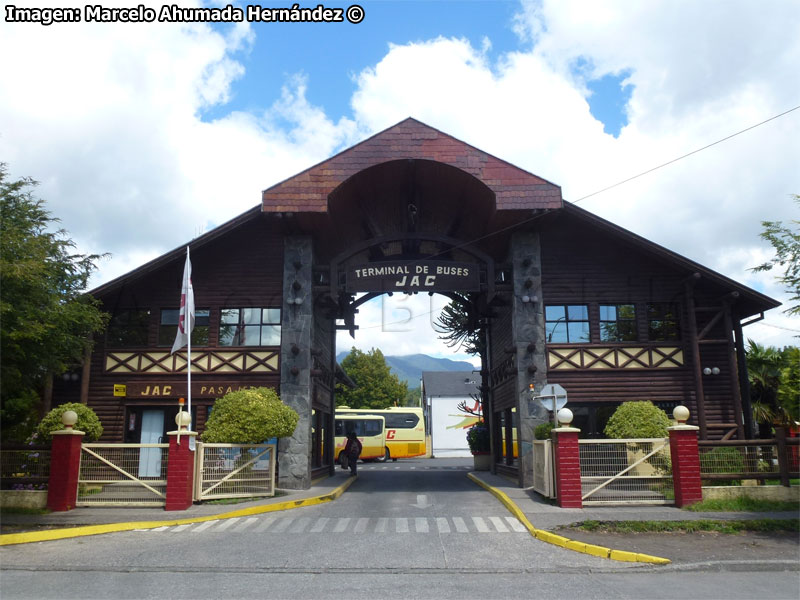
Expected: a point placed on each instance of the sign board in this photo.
(120, 389)
(553, 397)
(173, 390)
(414, 276)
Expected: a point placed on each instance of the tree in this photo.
(46, 319)
(787, 248)
(250, 416)
(88, 422)
(774, 385)
(461, 327)
(640, 419)
(376, 385)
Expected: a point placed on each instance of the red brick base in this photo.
(685, 457)
(180, 472)
(65, 460)
(568, 469)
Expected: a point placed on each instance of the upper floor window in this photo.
(250, 327)
(566, 323)
(663, 322)
(168, 327)
(618, 323)
(128, 328)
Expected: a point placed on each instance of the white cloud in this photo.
(109, 118)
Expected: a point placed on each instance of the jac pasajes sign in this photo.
(168, 389)
(414, 276)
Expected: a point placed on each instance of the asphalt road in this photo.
(402, 530)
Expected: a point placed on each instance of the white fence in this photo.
(123, 475)
(234, 470)
(544, 468)
(636, 471)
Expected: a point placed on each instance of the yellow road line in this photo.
(563, 542)
(72, 532)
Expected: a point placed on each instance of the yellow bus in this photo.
(370, 430)
(405, 430)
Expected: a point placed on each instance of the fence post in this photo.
(65, 462)
(783, 455)
(685, 455)
(568, 462)
(180, 465)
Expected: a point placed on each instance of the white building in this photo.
(442, 393)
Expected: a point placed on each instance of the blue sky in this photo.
(144, 135)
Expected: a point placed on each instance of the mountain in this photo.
(409, 368)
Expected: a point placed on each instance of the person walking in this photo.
(352, 449)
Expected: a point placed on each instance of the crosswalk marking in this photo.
(204, 526)
(341, 525)
(515, 524)
(442, 525)
(359, 525)
(320, 525)
(265, 523)
(461, 527)
(480, 524)
(228, 523)
(300, 525)
(245, 524)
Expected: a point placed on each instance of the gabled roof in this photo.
(450, 384)
(514, 188)
(749, 299)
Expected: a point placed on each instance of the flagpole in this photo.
(188, 350)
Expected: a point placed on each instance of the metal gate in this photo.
(234, 470)
(636, 471)
(544, 468)
(123, 475)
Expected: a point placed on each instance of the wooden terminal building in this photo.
(561, 295)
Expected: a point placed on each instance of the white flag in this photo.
(186, 316)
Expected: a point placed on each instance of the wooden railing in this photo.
(733, 460)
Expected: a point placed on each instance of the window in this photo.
(618, 323)
(663, 322)
(168, 327)
(566, 323)
(250, 327)
(128, 328)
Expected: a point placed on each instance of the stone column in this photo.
(297, 324)
(529, 342)
(568, 462)
(685, 455)
(65, 460)
(180, 465)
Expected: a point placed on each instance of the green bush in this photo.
(637, 420)
(87, 422)
(249, 417)
(478, 438)
(542, 431)
(722, 460)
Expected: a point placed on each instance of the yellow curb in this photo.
(73, 532)
(563, 542)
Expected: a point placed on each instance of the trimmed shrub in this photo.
(249, 417)
(478, 438)
(637, 420)
(87, 422)
(542, 431)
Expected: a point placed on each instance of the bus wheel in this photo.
(385, 456)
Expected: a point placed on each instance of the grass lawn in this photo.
(732, 527)
(743, 504)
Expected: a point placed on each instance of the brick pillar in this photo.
(685, 457)
(180, 470)
(65, 461)
(568, 467)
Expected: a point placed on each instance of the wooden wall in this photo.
(240, 269)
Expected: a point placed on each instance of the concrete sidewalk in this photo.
(544, 515)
